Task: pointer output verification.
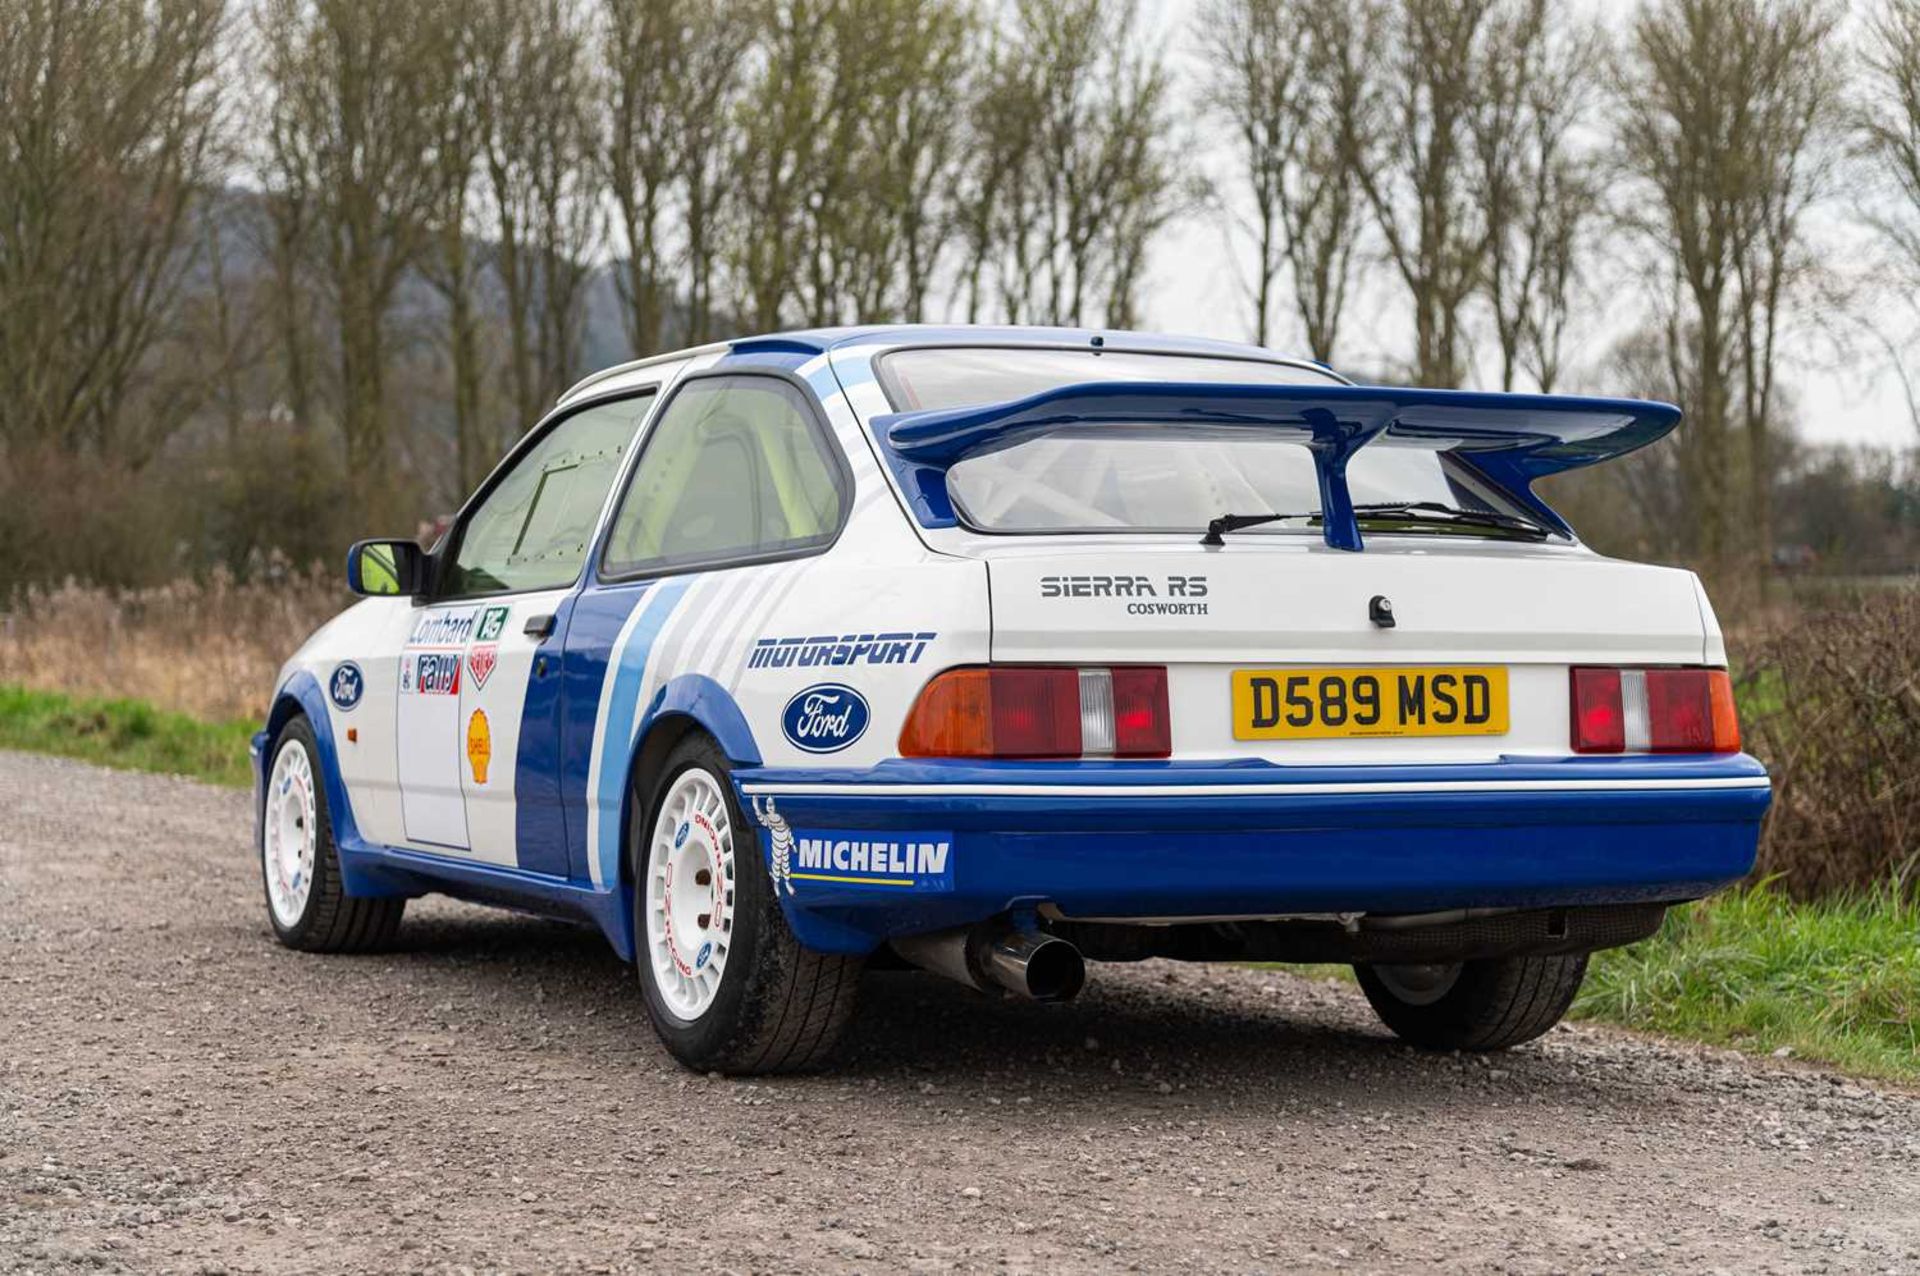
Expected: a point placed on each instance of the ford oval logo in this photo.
(346, 686)
(825, 718)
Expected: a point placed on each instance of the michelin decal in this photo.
(918, 861)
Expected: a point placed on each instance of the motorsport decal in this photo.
(346, 686)
(492, 621)
(479, 745)
(825, 718)
(480, 663)
(445, 628)
(1171, 596)
(849, 649)
(430, 673)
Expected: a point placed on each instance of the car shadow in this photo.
(1159, 1027)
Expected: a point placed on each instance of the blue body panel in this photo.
(1512, 439)
(1270, 851)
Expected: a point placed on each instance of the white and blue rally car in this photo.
(995, 650)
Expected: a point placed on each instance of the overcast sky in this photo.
(1844, 395)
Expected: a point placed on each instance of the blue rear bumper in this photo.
(1168, 840)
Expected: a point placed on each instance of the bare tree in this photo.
(1538, 191)
(1077, 169)
(674, 73)
(919, 140)
(994, 205)
(1889, 124)
(108, 119)
(1291, 80)
(1413, 158)
(537, 154)
(850, 147)
(349, 143)
(454, 260)
(774, 155)
(1728, 121)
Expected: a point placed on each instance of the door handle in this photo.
(539, 628)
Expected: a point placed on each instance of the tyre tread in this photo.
(1496, 1005)
(796, 1001)
(338, 922)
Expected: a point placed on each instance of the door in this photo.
(738, 474)
(478, 705)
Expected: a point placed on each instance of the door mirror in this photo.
(387, 569)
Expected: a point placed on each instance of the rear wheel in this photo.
(727, 985)
(299, 865)
(1473, 1005)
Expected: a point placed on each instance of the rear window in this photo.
(962, 376)
(1156, 479)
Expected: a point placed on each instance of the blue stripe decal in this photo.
(622, 712)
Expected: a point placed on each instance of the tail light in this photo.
(1654, 711)
(1018, 711)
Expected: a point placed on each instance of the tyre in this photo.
(299, 866)
(1473, 1005)
(727, 985)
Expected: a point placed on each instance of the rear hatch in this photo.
(1467, 616)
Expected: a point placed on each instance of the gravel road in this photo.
(177, 1093)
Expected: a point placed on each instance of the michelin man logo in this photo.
(776, 824)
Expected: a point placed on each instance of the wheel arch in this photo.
(688, 704)
(301, 695)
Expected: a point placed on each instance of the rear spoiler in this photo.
(1509, 439)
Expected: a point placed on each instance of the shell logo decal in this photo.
(479, 745)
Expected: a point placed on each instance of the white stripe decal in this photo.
(620, 704)
(736, 652)
(1247, 790)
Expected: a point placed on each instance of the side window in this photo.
(736, 467)
(532, 530)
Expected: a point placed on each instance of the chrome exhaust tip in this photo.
(1038, 967)
(994, 957)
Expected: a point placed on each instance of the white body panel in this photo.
(416, 780)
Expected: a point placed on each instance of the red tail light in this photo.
(1040, 712)
(1654, 711)
(1599, 726)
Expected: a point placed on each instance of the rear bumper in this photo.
(1177, 840)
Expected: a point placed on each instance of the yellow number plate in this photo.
(1324, 704)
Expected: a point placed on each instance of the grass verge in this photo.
(1835, 981)
(125, 733)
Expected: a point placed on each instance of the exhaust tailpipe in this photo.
(997, 958)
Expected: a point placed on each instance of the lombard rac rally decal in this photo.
(346, 686)
(445, 628)
(888, 861)
(431, 673)
(825, 718)
(492, 621)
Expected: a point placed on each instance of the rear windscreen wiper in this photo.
(1216, 528)
(1434, 511)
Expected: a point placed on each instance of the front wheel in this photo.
(300, 866)
(1473, 1005)
(727, 985)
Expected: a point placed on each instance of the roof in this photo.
(814, 341)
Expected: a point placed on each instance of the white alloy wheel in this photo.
(291, 833)
(690, 893)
